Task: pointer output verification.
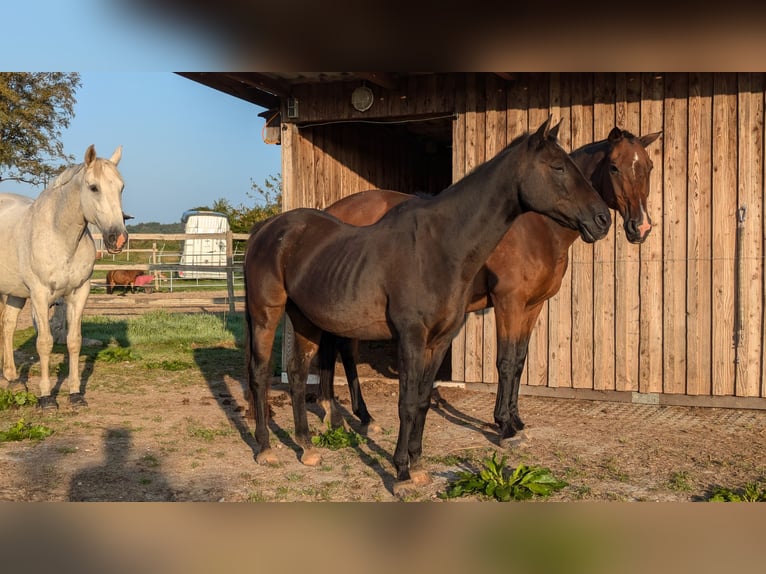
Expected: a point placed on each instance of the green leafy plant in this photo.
(24, 430)
(10, 399)
(495, 481)
(338, 438)
(752, 492)
(117, 355)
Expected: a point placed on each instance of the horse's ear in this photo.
(541, 134)
(615, 134)
(554, 131)
(649, 138)
(90, 154)
(115, 159)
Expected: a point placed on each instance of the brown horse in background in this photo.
(407, 277)
(523, 271)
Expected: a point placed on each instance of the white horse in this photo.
(47, 252)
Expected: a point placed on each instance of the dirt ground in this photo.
(183, 437)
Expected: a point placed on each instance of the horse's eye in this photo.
(558, 168)
(94, 187)
(613, 168)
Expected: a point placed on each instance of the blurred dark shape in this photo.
(448, 35)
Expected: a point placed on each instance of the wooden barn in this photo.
(676, 320)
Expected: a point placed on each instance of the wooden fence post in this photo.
(230, 269)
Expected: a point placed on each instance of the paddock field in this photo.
(168, 423)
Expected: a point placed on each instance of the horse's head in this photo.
(555, 186)
(623, 176)
(101, 198)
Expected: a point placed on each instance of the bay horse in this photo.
(524, 270)
(407, 277)
(48, 253)
(123, 277)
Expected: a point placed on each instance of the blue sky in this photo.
(184, 144)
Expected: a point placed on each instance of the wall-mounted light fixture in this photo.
(362, 98)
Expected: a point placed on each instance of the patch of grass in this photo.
(207, 434)
(23, 430)
(679, 481)
(338, 438)
(169, 365)
(752, 492)
(117, 355)
(494, 481)
(10, 399)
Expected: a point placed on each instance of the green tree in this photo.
(267, 199)
(34, 109)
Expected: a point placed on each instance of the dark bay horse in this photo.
(407, 277)
(523, 271)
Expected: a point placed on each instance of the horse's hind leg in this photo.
(306, 340)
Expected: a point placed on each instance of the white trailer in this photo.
(204, 251)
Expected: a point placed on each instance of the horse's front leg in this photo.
(75, 303)
(40, 303)
(514, 328)
(10, 315)
(412, 361)
(425, 388)
(328, 350)
(349, 354)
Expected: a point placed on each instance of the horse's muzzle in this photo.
(598, 227)
(635, 232)
(115, 241)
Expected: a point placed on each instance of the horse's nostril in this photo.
(603, 220)
(631, 226)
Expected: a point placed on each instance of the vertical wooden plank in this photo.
(650, 342)
(626, 265)
(495, 112)
(517, 123)
(474, 136)
(581, 253)
(673, 233)
(537, 355)
(458, 172)
(750, 196)
(290, 168)
(724, 228)
(560, 305)
(603, 251)
(699, 242)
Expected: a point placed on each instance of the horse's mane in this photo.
(66, 176)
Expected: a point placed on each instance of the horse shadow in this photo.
(95, 338)
(119, 478)
(442, 407)
(222, 366)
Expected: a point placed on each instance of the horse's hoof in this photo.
(514, 441)
(311, 457)
(77, 400)
(420, 477)
(267, 457)
(404, 488)
(17, 387)
(47, 402)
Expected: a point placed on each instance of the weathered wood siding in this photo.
(681, 314)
